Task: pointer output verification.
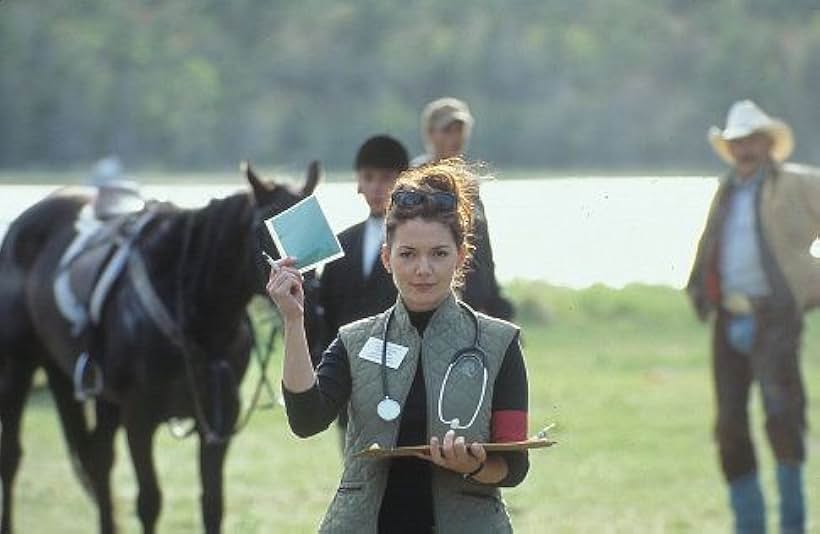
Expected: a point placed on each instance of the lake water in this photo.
(573, 232)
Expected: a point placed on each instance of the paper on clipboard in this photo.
(303, 232)
(377, 452)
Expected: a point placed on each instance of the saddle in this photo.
(93, 262)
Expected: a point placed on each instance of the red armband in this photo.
(509, 425)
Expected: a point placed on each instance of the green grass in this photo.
(624, 374)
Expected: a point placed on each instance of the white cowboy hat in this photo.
(746, 118)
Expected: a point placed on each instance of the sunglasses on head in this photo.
(413, 198)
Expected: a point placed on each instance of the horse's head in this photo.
(271, 198)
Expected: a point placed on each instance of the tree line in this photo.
(616, 85)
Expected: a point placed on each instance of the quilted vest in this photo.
(459, 505)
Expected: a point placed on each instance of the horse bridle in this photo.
(173, 330)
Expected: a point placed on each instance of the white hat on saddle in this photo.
(116, 194)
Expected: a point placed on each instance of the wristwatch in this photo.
(471, 474)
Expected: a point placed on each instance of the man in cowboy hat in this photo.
(754, 270)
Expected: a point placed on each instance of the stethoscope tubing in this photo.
(455, 423)
(474, 352)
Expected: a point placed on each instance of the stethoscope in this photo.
(389, 408)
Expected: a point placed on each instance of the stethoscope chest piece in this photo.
(388, 409)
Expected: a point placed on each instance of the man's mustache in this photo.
(748, 158)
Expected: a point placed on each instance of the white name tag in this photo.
(372, 352)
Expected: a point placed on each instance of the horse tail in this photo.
(13, 311)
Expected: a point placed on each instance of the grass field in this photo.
(624, 374)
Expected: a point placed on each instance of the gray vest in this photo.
(459, 505)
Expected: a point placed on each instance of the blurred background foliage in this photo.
(191, 84)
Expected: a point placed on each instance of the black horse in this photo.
(203, 265)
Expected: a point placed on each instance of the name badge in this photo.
(372, 352)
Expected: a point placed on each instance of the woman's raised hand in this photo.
(285, 289)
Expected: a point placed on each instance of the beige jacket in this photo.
(790, 222)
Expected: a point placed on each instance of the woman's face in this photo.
(423, 258)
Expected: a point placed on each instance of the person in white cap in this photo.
(755, 273)
(446, 126)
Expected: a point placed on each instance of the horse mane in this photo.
(218, 279)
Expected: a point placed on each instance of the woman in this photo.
(447, 376)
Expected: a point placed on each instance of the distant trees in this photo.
(621, 84)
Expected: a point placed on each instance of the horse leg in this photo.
(92, 454)
(100, 460)
(15, 383)
(140, 433)
(211, 462)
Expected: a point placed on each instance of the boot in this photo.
(792, 505)
(747, 505)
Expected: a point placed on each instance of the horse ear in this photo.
(256, 184)
(314, 175)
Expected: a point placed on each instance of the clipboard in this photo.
(377, 452)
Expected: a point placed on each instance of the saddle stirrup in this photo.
(82, 389)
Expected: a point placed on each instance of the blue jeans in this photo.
(741, 331)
